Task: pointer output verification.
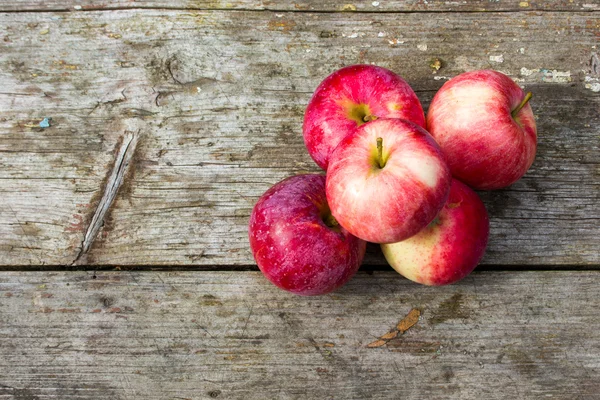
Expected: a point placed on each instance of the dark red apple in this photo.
(296, 242)
(450, 247)
(387, 181)
(350, 97)
(485, 126)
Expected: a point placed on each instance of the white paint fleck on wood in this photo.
(555, 76)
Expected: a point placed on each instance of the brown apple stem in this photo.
(330, 221)
(380, 153)
(520, 106)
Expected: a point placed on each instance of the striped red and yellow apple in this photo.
(349, 98)
(387, 181)
(484, 124)
(450, 247)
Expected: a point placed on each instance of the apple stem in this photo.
(368, 118)
(380, 153)
(520, 106)
(330, 221)
(436, 221)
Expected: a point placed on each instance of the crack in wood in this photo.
(170, 70)
(122, 161)
(110, 102)
(87, 9)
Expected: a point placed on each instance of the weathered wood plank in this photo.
(218, 97)
(310, 5)
(156, 335)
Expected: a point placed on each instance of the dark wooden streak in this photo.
(233, 335)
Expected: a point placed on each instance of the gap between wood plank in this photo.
(252, 267)
(277, 10)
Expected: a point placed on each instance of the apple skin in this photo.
(389, 204)
(348, 96)
(450, 247)
(470, 118)
(293, 246)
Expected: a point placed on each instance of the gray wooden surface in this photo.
(217, 99)
(231, 335)
(171, 118)
(307, 5)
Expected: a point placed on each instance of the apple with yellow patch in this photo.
(387, 181)
(350, 97)
(484, 124)
(450, 247)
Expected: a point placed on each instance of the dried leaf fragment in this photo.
(405, 324)
(409, 321)
(377, 343)
(390, 335)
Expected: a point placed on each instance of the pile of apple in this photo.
(394, 178)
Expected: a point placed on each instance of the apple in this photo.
(296, 242)
(351, 97)
(387, 181)
(485, 126)
(450, 247)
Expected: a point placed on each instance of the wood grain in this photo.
(218, 99)
(307, 5)
(227, 335)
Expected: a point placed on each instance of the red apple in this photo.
(387, 181)
(485, 126)
(296, 242)
(450, 247)
(350, 97)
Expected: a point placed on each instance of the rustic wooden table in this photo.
(126, 271)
